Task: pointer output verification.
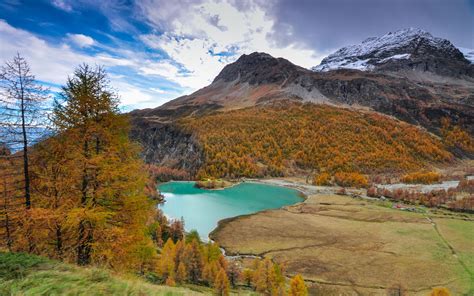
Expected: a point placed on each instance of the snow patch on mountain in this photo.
(396, 57)
(344, 64)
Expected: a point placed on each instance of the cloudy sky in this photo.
(157, 50)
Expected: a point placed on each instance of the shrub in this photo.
(351, 180)
(323, 179)
(372, 192)
(466, 186)
(440, 291)
(421, 178)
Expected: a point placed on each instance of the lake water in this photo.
(202, 209)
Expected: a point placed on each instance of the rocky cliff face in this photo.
(166, 144)
(423, 105)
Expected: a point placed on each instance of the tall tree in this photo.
(20, 106)
(113, 209)
(21, 99)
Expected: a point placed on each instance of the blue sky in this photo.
(157, 50)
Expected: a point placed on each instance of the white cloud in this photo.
(129, 94)
(63, 5)
(81, 40)
(196, 31)
(157, 90)
(200, 38)
(162, 68)
(53, 63)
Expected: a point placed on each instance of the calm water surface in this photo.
(202, 209)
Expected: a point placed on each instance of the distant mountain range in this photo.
(408, 74)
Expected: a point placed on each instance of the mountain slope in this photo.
(258, 80)
(286, 137)
(407, 49)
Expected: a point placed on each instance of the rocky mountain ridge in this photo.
(412, 49)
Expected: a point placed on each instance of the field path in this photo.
(453, 251)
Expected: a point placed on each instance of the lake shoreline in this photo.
(253, 197)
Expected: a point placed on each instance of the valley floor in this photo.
(358, 246)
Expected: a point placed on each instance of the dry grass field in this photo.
(352, 246)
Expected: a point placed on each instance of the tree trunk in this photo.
(7, 218)
(26, 172)
(85, 238)
(59, 241)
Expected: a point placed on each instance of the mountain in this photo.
(407, 49)
(259, 78)
(262, 84)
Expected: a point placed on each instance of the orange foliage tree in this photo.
(298, 286)
(90, 180)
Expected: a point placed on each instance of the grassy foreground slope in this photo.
(23, 274)
(274, 140)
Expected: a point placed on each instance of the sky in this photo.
(157, 50)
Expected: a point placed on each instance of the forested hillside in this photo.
(278, 139)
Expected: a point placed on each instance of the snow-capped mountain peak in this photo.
(393, 47)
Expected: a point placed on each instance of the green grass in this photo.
(22, 274)
(460, 235)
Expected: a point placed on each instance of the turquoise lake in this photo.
(201, 209)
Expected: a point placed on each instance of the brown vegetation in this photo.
(274, 140)
(460, 198)
(351, 180)
(166, 174)
(422, 177)
(455, 137)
